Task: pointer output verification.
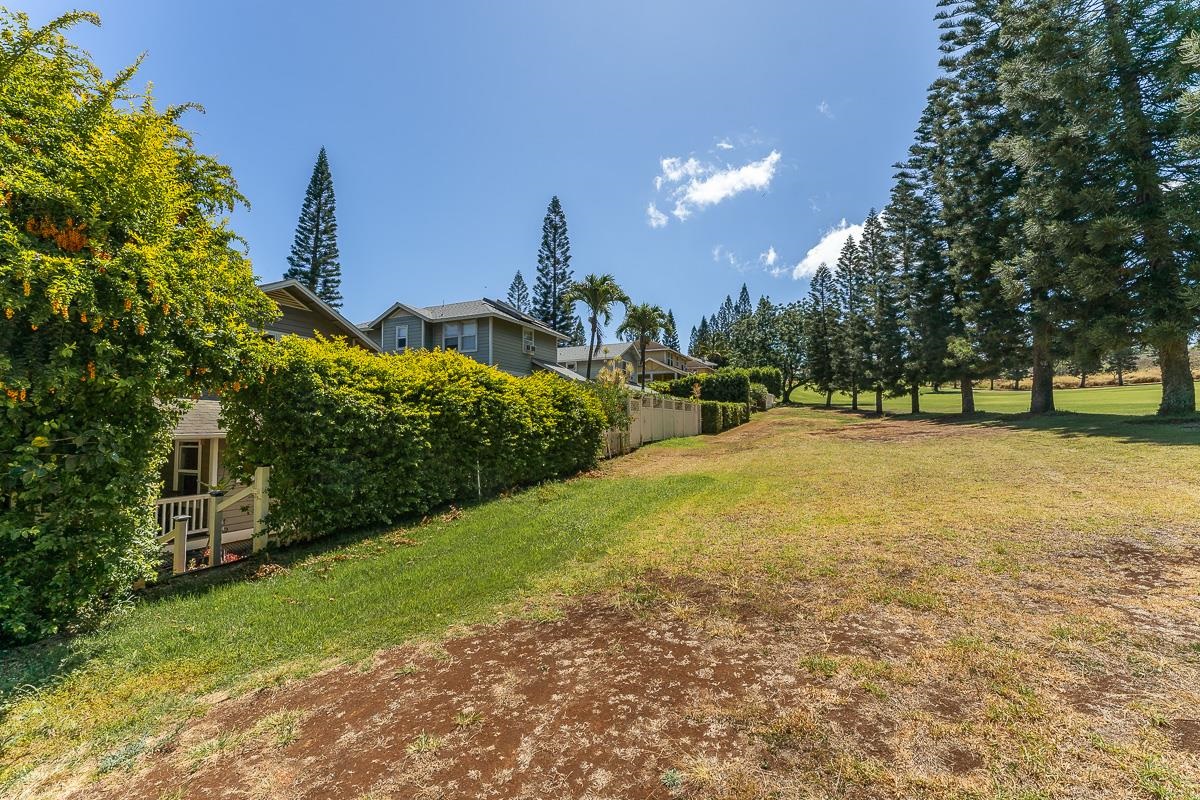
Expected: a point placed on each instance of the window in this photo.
(186, 479)
(528, 343)
(401, 338)
(461, 336)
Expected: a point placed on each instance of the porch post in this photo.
(214, 527)
(262, 501)
(179, 544)
(213, 444)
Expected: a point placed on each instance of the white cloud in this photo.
(724, 145)
(725, 183)
(770, 257)
(676, 169)
(720, 254)
(692, 184)
(827, 250)
(824, 110)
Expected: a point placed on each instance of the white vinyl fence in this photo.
(654, 417)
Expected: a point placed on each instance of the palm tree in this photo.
(644, 322)
(598, 293)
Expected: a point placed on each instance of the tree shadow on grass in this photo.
(1146, 429)
(1073, 425)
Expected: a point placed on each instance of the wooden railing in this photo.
(193, 507)
(204, 514)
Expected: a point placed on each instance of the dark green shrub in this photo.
(770, 377)
(727, 386)
(358, 439)
(758, 397)
(716, 416)
(685, 386)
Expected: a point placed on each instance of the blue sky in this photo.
(752, 128)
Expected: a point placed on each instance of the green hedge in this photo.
(716, 416)
(770, 377)
(358, 439)
(727, 386)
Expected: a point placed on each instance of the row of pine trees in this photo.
(1047, 209)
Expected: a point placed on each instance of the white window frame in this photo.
(401, 335)
(528, 340)
(179, 470)
(469, 328)
(450, 330)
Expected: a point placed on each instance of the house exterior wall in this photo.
(387, 332)
(302, 322)
(507, 349)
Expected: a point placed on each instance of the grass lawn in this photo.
(994, 607)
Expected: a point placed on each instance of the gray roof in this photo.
(562, 372)
(200, 421)
(468, 309)
(580, 352)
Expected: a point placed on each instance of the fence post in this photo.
(262, 500)
(215, 521)
(179, 544)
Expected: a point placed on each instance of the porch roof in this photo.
(201, 420)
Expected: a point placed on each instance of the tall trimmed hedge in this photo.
(726, 386)
(358, 439)
(716, 416)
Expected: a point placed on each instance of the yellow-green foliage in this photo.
(119, 291)
(358, 439)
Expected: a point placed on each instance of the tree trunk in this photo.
(592, 347)
(1170, 314)
(915, 394)
(1120, 375)
(1178, 389)
(968, 395)
(937, 387)
(1082, 380)
(1016, 384)
(879, 402)
(992, 384)
(829, 398)
(1042, 398)
(854, 399)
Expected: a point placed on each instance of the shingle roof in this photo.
(467, 308)
(201, 420)
(580, 353)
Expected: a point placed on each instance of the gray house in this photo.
(489, 331)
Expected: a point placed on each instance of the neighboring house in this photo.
(197, 460)
(662, 363)
(489, 331)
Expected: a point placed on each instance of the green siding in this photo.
(507, 351)
(303, 323)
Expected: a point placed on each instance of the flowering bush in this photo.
(120, 291)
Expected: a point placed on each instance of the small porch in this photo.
(197, 489)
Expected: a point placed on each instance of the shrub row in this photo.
(716, 416)
(358, 439)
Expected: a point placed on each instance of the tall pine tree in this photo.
(518, 293)
(822, 335)
(554, 275)
(923, 281)
(886, 371)
(314, 257)
(670, 332)
(852, 363)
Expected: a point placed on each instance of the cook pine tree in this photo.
(885, 373)
(518, 293)
(313, 260)
(822, 336)
(670, 332)
(852, 363)
(554, 277)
